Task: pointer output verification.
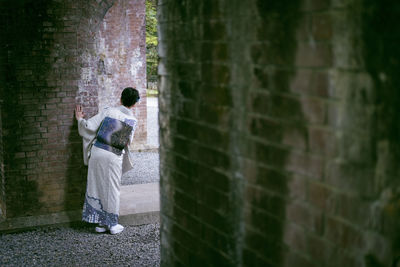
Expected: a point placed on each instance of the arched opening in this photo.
(55, 55)
(117, 60)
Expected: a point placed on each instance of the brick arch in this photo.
(100, 83)
(94, 12)
(43, 169)
(90, 18)
(112, 56)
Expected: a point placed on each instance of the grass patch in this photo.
(151, 93)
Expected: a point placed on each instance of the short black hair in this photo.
(129, 96)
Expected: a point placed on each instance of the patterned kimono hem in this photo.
(102, 217)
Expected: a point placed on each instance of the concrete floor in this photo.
(152, 122)
(139, 198)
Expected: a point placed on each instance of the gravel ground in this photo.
(145, 169)
(79, 245)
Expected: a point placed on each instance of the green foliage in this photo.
(151, 93)
(151, 39)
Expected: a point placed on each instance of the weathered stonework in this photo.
(49, 63)
(118, 59)
(279, 137)
(2, 178)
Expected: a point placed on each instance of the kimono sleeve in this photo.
(88, 129)
(127, 162)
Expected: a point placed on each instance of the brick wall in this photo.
(279, 134)
(118, 59)
(2, 180)
(45, 45)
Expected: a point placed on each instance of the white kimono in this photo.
(106, 167)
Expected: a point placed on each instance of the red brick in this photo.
(263, 222)
(314, 110)
(319, 195)
(297, 187)
(306, 164)
(252, 259)
(344, 235)
(313, 83)
(322, 27)
(316, 5)
(268, 178)
(314, 55)
(263, 247)
(350, 208)
(304, 215)
(303, 29)
(296, 238)
(294, 259)
(323, 142)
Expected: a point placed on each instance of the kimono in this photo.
(106, 138)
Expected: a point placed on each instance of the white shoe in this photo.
(100, 229)
(116, 229)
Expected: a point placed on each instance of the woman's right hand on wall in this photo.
(78, 112)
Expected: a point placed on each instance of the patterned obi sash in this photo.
(113, 135)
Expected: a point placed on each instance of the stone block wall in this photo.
(45, 71)
(279, 133)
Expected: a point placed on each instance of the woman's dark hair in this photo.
(129, 96)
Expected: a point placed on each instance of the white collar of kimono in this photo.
(125, 110)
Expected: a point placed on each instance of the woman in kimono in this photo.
(106, 138)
